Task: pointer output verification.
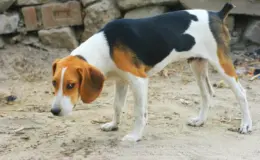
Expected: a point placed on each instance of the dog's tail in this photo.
(223, 13)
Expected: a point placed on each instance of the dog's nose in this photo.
(55, 111)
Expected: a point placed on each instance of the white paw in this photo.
(131, 137)
(245, 127)
(196, 122)
(111, 126)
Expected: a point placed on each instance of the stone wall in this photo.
(67, 23)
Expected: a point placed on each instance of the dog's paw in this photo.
(195, 122)
(131, 138)
(245, 127)
(111, 126)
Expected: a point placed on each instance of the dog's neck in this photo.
(95, 51)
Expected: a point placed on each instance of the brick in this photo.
(61, 14)
(30, 18)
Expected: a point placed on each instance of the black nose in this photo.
(55, 111)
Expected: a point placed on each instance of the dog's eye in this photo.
(54, 83)
(70, 86)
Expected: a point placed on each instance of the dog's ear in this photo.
(91, 83)
(54, 65)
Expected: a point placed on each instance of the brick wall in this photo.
(73, 21)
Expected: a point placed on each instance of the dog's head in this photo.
(74, 78)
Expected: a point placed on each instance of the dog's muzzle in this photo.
(55, 111)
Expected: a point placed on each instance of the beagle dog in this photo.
(132, 50)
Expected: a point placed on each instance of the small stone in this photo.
(145, 12)
(25, 138)
(220, 84)
(9, 23)
(183, 101)
(61, 38)
(11, 98)
(5, 4)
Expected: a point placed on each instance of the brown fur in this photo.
(126, 60)
(222, 37)
(87, 79)
(223, 51)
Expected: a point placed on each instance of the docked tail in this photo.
(223, 13)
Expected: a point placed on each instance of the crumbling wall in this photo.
(67, 23)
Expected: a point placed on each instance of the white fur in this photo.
(96, 51)
(61, 101)
(119, 102)
(200, 70)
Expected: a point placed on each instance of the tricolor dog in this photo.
(132, 50)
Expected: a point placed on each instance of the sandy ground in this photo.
(29, 131)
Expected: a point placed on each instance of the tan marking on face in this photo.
(71, 77)
(127, 61)
(87, 80)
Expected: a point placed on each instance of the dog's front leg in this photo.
(140, 90)
(120, 98)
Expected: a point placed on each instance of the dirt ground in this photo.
(28, 131)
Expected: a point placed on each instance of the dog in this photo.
(132, 50)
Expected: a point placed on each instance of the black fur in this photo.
(223, 13)
(152, 39)
(81, 57)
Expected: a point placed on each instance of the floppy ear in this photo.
(54, 64)
(92, 81)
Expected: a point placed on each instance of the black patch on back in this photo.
(152, 39)
(81, 57)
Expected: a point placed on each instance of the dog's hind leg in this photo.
(199, 67)
(225, 67)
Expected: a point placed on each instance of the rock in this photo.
(127, 4)
(61, 38)
(230, 22)
(2, 43)
(5, 4)
(30, 39)
(9, 23)
(97, 15)
(31, 2)
(85, 3)
(252, 32)
(15, 39)
(146, 12)
(242, 6)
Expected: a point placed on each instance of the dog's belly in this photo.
(172, 57)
